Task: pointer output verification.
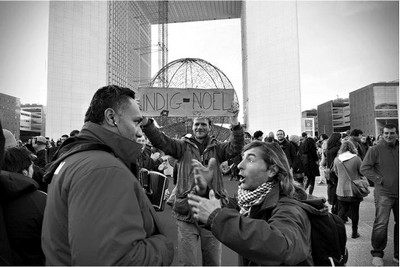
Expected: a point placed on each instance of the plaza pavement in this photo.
(359, 249)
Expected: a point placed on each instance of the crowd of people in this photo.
(79, 201)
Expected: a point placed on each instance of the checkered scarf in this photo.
(247, 198)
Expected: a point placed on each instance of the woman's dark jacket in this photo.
(277, 232)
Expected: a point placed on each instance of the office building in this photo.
(373, 106)
(334, 116)
(10, 109)
(33, 121)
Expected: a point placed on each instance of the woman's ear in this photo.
(272, 171)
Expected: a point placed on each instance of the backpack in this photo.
(328, 240)
(328, 233)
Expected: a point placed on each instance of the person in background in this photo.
(308, 150)
(39, 143)
(270, 138)
(97, 212)
(145, 159)
(366, 142)
(233, 162)
(258, 135)
(74, 133)
(297, 166)
(201, 147)
(263, 225)
(63, 138)
(286, 146)
(333, 146)
(347, 167)
(321, 151)
(323, 141)
(355, 137)
(23, 207)
(381, 166)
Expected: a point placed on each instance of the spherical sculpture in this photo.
(193, 73)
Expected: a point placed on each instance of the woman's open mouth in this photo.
(241, 179)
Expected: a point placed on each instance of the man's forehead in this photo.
(134, 107)
(200, 120)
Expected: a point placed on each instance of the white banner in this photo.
(186, 102)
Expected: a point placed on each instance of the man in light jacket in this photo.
(97, 212)
(201, 147)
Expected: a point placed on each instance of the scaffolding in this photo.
(163, 40)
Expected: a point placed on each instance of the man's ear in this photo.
(25, 172)
(109, 117)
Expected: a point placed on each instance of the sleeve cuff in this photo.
(210, 219)
(149, 122)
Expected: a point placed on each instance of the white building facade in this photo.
(95, 43)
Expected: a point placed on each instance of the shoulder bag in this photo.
(358, 186)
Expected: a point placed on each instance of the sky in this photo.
(343, 46)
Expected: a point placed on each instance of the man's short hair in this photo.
(281, 131)
(390, 126)
(258, 134)
(356, 132)
(110, 96)
(206, 118)
(304, 134)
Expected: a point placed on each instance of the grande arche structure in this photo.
(93, 43)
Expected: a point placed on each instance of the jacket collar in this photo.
(388, 145)
(125, 149)
(272, 198)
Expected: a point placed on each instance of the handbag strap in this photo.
(347, 173)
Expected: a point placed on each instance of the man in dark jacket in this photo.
(97, 212)
(355, 137)
(287, 147)
(310, 158)
(202, 148)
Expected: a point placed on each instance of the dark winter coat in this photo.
(23, 208)
(289, 150)
(275, 233)
(310, 157)
(97, 212)
(297, 165)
